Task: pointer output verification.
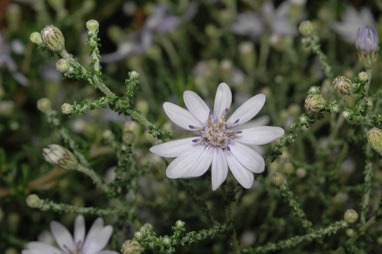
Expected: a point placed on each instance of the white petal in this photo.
(223, 100)
(97, 226)
(258, 149)
(260, 121)
(202, 164)
(248, 110)
(259, 135)
(219, 169)
(180, 116)
(242, 175)
(98, 240)
(183, 164)
(107, 252)
(248, 157)
(62, 236)
(42, 248)
(196, 106)
(173, 148)
(79, 229)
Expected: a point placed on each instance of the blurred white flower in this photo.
(218, 141)
(159, 22)
(93, 243)
(6, 59)
(248, 23)
(351, 21)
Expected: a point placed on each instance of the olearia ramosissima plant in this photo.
(221, 142)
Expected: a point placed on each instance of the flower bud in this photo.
(342, 85)
(363, 76)
(57, 155)
(166, 240)
(138, 235)
(92, 25)
(66, 108)
(374, 136)
(33, 201)
(63, 65)
(107, 134)
(306, 28)
(346, 114)
(277, 178)
(179, 224)
(130, 130)
(43, 105)
(301, 173)
(351, 216)
(314, 102)
(35, 37)
(131, 247)
(53, 38)
(367, 44)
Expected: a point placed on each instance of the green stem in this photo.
(93, 175)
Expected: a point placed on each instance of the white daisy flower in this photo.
(219, 140)
(93, 243)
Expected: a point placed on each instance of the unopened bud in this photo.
(342, 85)
(166, 240)
(277, 178)
(33, 201)
(44, 105)
(35, 37)
(92, 25)
(107, 134)
(57, 155)
(314, 102)
(374, 136)
(367, 44)
(66, 108)
(363, 76)
(351, 216)
(53, 38)
(179, 224)
(306, 28)
(346, 114)
(63, 65)
(131, 247)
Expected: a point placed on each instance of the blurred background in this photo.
(252, 45)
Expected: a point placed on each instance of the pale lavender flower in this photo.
(367, 44)
(367, 40)
(7, 61)
(93, 243)
(278, 19)
(159, 22)
(218, 140)
(351, 21)
(248, 23)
